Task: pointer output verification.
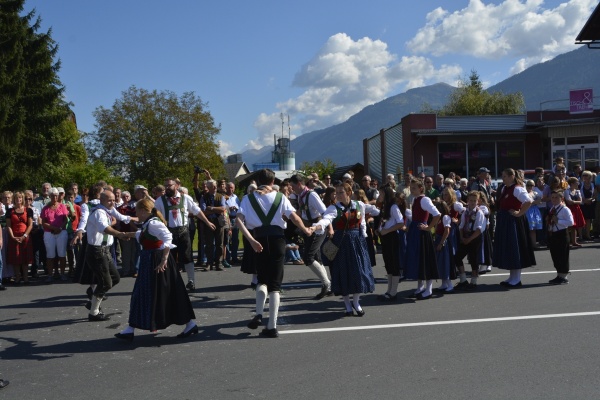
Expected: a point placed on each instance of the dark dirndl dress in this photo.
(512, 247)
(421, 261)
(402, 249)
(351, 270)
(158, 299)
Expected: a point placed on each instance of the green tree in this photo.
(33, 113)
(470, 99)
(320, 167)
(147, 136)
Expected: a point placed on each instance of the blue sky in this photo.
(318, 61)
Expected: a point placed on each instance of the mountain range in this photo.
(544, 86)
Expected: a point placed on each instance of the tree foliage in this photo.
(320, 167)
(147, 136)
(35, 133)
(471, 99)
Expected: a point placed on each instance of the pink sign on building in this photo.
(581, 101)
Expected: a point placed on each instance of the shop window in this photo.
(510, 155)
(452, 158)
(482, 154)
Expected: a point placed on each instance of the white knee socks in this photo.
(95, 309)
(393, 286)
(274, 298)
(261, 298)
(355, 301)
(189, 270)
(321, 273)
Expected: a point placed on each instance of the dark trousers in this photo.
(213, 243)
(269, 262)
(100, 261)
(181, 239)
(558, 243)
(234, 244)
(312, 248)
(470, 250)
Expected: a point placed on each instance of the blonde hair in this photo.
(148, 206)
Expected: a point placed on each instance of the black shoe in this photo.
(3, 383)
(471, 287)
(349, 313)
(508, 285)
(219, 268)
(387, 297)
(190, 286)
(359, 313)
(2, 287)
(421, 297)
(98, 317)
(125, 336)
(270, 333)
(192, 331)
(255, 322)
(325, 291)
(461, 285)
(558, 281)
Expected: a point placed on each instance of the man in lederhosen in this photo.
(262, 213)
(175, 207)
(310, 209)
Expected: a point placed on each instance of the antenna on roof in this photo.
(281, 115)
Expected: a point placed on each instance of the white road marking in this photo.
(433, 323)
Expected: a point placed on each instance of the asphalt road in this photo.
(536, 342)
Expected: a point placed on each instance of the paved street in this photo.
(536, 342)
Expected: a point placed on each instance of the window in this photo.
(452, 158)
(510, 155)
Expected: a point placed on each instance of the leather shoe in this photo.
(558, 281)
(349, 313)
(421, 297)
(3, 383)
(387, 297)
(359, 313)
(98, 317)
(192, 331)
(270, 333)
(325, 291)
(255, 322)
(508, 285)
(2, 287)
(190, 286)
(125, 336)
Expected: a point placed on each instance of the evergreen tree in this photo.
(471, 99)
(33, 113)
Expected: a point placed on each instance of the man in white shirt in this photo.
(233, 204)
(98, 255)
(175, 207)
(263, 215)
(311, 209)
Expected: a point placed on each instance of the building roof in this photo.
(590, 34)
(234, 170)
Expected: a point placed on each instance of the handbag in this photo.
(330, 250)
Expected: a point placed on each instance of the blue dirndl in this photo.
(534, 218)
(351, 270)
(443, 257)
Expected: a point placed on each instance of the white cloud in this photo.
(225, 148)
(519, 29)
(341, 79)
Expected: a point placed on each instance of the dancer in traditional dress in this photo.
(391, 222)
(159, 297)
(351, 270)
(443, 254)
(472, 226)
(262, 213)
(560, 219)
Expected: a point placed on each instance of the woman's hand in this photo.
(424, 227)
(161, 267)
(514, 213)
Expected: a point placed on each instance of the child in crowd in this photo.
(472, 225)
(573, 200)
(559, 220)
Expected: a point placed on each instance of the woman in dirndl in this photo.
(421, 261)
(513, 249)
(159, 297)
(351, 270)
